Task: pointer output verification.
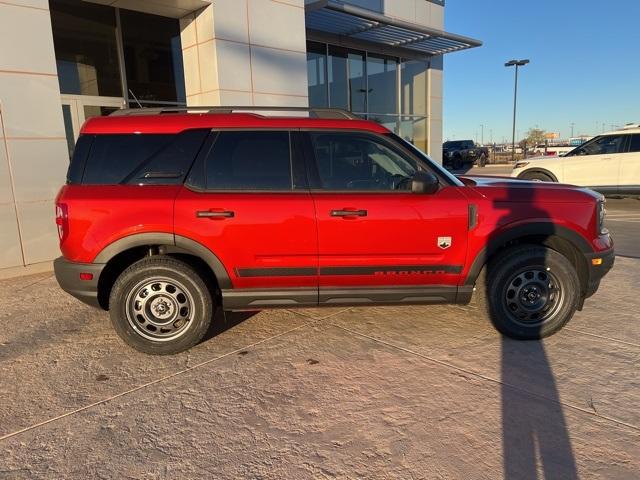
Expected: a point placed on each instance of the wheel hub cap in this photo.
(159, 309)
(533, 296)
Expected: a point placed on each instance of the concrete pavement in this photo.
(410, 392)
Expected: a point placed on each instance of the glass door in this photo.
(76, 109)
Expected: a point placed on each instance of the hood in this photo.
(540, 158)
(514, 190)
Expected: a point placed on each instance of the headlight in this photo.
(520, 165)
(602, 213)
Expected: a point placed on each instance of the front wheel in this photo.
(529, 292)
(536, 177)
(160, 305)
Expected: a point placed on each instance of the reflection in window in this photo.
(347, 79)
(348, 161)
(413, 81)
(84, 37)
(383, 86)
(317, 74)
(153, 56)
(250, 161)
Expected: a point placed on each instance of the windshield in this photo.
(426, 159)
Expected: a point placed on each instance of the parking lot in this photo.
(411, 392)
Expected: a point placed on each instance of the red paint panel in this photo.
(174, 123)
(267, 231)
(400, 230)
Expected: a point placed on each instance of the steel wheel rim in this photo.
(533, 296)
(159, 309)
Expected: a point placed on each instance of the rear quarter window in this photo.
(143, 159)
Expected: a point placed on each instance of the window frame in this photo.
(196, 180)
(387, 140)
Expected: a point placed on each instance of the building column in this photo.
(246, 52)
(434, 109)
(33, 148)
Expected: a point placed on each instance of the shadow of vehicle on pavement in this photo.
(534, 431)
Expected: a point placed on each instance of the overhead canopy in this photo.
(356, 23)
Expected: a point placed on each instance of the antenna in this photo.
(134, 97)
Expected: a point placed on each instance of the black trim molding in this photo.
(350, 270)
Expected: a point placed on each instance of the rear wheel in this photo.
(160, 305)
(536, 177)
(529, 292)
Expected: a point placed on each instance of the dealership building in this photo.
(64, 61)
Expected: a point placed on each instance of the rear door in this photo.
(630, 167)
(596, 163)
(373, 232)
(247, 201)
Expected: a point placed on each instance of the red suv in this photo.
(167, 215)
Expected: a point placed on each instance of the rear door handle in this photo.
(348, 213)
(215, 214)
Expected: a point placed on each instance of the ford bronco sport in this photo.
(167, 215)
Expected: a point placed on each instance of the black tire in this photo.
(536, 177)
(456, 163)
(510, 306)
(161, 306)
(482, 161)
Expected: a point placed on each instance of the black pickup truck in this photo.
(457, 154)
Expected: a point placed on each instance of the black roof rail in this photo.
(325, 113)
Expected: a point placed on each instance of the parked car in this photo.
(458, 154)
(608, 163)
(167, 215)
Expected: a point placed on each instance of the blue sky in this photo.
(585, 66)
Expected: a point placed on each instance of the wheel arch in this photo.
(561, 239)
(118, 255)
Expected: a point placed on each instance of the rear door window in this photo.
(635, 143)
(141, 159)
(256, 160)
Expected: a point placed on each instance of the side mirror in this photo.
(424, 182)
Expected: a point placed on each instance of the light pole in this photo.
(517, 64)
(572, 125)
(481, 134)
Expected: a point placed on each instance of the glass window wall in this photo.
(84, 36)
(388, 90)
(153, 57)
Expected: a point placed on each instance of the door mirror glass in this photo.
(424, 182)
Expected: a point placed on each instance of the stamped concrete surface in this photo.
(411, 392)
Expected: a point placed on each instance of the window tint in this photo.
(249, 161)
(348, 161)
(635, 143)
(142, 159)
(605, 145)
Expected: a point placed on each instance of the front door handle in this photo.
(348, 213)
(215, 214)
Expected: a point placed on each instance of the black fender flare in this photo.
(544, 171)
(181, 244)
(547, 229)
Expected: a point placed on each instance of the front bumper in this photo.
(599, 270)
(68, 277)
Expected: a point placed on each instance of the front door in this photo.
(596, 163)
(377, 241)
(245, 202)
